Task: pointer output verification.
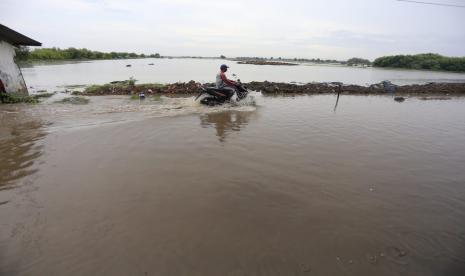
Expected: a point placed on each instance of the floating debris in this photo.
(398, 252)
(372, 259)
(305, 267)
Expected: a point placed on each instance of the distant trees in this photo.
(358, 61)
(313, 60)
(422, 61)
(222, 57)
(23, 53)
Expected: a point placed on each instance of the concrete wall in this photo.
(9, 71)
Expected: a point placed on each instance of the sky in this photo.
(326, 29)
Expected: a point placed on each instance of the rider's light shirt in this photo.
(222, 81)
(219, 82)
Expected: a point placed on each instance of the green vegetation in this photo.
(73, 86)
(422, 61)
(120, 87)
(74, 100)
(147, 86)
(358, 61)
(24, 54)
(12, 98)
(112, 86)
(93, 89)
(43, 95)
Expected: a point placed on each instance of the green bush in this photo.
(422, 61)
(358, 61)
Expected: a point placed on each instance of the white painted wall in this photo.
(9, 70)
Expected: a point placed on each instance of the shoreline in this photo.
(267, 62)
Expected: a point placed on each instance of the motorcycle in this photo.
(219, 96)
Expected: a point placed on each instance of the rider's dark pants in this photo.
(228, 91)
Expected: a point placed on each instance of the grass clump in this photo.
(74, 100)
(74, 86)
(13, 98)
(43, 95)
(109, 88)
(121, 87)
(93, 89)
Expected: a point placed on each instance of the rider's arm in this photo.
(225, 79)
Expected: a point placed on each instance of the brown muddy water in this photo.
(278, 186)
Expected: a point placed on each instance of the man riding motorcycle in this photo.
(222, 82)
(223, 91)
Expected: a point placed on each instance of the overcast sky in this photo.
(327, 29)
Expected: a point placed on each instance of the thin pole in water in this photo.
(337, 99)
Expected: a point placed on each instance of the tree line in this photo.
(422, 61)
(24, 54)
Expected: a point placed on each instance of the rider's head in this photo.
(224, 68)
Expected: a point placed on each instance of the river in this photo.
(273, 186)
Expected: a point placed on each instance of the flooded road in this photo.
(278, 186)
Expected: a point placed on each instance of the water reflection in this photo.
(225, 122)
(18, 148)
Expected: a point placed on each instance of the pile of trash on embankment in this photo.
(192, 87)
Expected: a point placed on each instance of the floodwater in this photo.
(275, 186)
(41, 77)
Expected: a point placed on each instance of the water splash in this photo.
(119, 109)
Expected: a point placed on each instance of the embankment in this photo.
(124, 88)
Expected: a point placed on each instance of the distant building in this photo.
(11, 79)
